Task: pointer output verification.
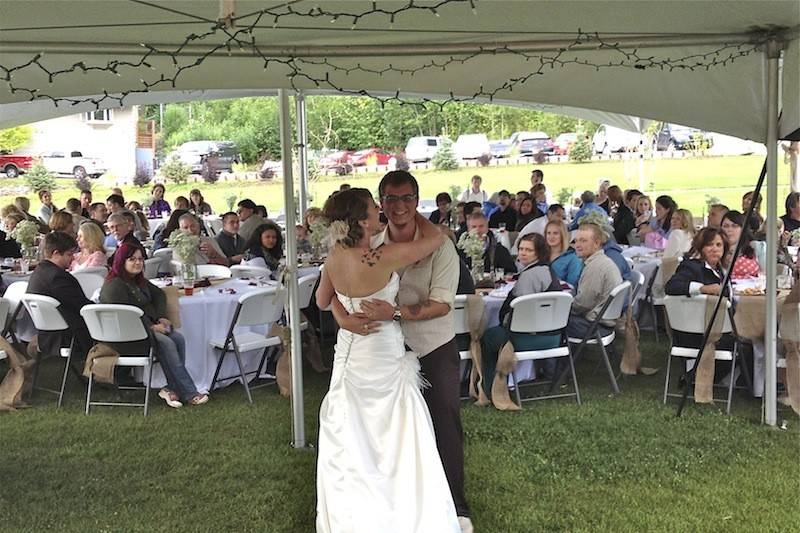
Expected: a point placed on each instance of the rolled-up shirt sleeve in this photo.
(444, 274)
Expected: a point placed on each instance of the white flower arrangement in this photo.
(795, 235)
(318, 231)
(184, 245)
(25, 233)
(472, 245)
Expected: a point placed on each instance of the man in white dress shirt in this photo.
(474, 193)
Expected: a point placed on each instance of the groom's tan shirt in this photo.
(432, 278)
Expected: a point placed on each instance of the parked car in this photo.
(531, 142)
(74, 163)
(472, 146)
(197, 153)
(564, 142)
(14, 165)
(370, 157)
(501, 148)
(340, 162)
(610, 139)
(422, 149)
(676, 137)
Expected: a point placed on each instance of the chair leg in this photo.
(609, 369)
(516, 388)
(654, 316)
(222, 355)
(241, 372)
(89, 393)
(666, 380)
(67, 368)
(574, 376)
(149, 371)
(732, 381)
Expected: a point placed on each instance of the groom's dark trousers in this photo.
(441, 368)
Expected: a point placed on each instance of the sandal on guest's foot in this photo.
(200, 399)
(170, 397)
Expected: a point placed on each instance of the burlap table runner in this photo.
(704, 376)
(790, 335)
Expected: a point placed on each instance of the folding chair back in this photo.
(615, 303)
(151, 267)
(247, 271)
(165, 254)
(305, 289)
(688, 315)
(114, 322)
(44, 312)
(460, 317)
(213, 271)
(637, 283)
(261, 306)
(13, 294)
(544, 311)
(99, 270)
(90, 282)
(5, 310)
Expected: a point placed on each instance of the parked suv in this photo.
(74, 163)
(421, 149)
(197, 153)
(676, 137)
(531, 142)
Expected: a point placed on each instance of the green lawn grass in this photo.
(615, 463)
(688, 181)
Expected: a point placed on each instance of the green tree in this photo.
(13, 138)
(175, 170)
(445, 157)
(39, 178)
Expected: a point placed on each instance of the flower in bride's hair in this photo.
(338, 231)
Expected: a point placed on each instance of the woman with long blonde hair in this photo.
(92, 252)
(563, 259)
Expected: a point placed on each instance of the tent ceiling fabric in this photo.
(729, 99)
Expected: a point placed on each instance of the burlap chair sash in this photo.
(100, 363)
(506, 362)
(790, 335)
(476, 320)
(631, 356)
(18, 381)
(704, 376)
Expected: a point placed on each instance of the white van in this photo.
(472, 146)
(422, 149)
(610, 139)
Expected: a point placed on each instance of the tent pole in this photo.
(290, 279)
(773, 52)
(302, 151)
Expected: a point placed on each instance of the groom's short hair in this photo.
(395, 178)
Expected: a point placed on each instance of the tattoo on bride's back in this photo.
(371, 257)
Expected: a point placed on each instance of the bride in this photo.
(378, 468)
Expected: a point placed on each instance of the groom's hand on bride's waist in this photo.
(380, 310)
(358, 323)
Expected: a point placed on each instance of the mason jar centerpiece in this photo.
(184, 246)
(317, 234)
(25, 234)
(472, 245)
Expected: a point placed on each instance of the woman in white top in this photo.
(681, 234)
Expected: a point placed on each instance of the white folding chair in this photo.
(152, 266)
(637, 282)
(305, 291)
(611, 311)
(213, 271)
(99, 270)
(261, 307)
(44, 313)
(541, 313)
(115, 323)
(5, 306)
(165, 254)
(246, 271)
(688, 315)
(90, 282)
(13, 295)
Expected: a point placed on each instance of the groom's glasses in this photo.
(393, 199)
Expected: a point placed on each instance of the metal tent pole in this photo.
(773, 52)
(302, 150)
(290, 279)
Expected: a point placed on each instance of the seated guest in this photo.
(181, 202)
(521, 195)
(11, 220)
(746, 264)
(158, 206)
(50, 278)
(73, 207)
(442, 213)
(715, 214)
(631, 198)
(535, 276)
(495, 255)
(680, 235)
(116, 204)
(654, 235)
(467, 210)
(599, 277)
(136, 208)
(537, 225)
(490, 205)
(24, 207)
(126, 285)
(86, 202)
(47, 209)
(92, 252)
(756, 220)
(198, 205)
(602, 196)
(261, 211)
(312, 214)
(98, 213)
(587, 204)
(120, 230)
(791, 220)
(248, 219)
(229, 240)
(8, 246)
(563, 260)
(62, 221)
(614, 252)
(539, 194)
(161, 235)
(266, 242)
(643, 216)
(208, 252)
(303, 246)
(623, 220)
(526, 213)
(505, 214)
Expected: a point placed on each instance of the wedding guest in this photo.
(655, 234)
(181, 202)
(50, 278)
(117, 191)
(537, 177)
(599, 277)
(92, 252)
(62, 221)
(229, 240)
(791, 220)
(23, 205)
(715, 214)
(312, 214)
(643, 215)
(539, 194)
(47, 209)
(344, 187)
(86, 202)
(680, 235)
(136, 208)
(746, 264)
(563, 259)
(208, 251)
(535, 277)
(126, 285)
(161, 235)
(474, 193)
(198, 205)
(11, 220)
(526, 213)
(303, 244)
(602, 196)
(442, 213)
(116, 204)
(261, 211)
(505, 215)
(631, 198)
(98, 214)
(120, 230)
(467, 210)
(248, 219)
(537, 225)
(158, 205)
(266, 242)
(623, 219)
(495, 255)
(73, 207)
(490, 205)
(756, 220)
(588, 204)
(8, 246)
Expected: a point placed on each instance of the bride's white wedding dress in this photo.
(378, 468)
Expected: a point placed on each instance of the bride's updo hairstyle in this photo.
(343, 210)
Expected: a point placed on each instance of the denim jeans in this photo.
(171, 353)
(495, 338)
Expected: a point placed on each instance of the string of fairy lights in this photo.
(239, 34)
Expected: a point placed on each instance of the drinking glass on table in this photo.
(499, 274)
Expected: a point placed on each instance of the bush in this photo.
(142, 176)
(175, 170)
(581, 150)
(455, 192)
(445, 158)
(564, 196)
(39, 178)
(401, 162)
(485, 159)
(83, 183)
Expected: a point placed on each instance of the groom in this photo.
(427, 291)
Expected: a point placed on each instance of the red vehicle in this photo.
(340, 162)
(370, 157)
(14, 165)
(564, 142)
